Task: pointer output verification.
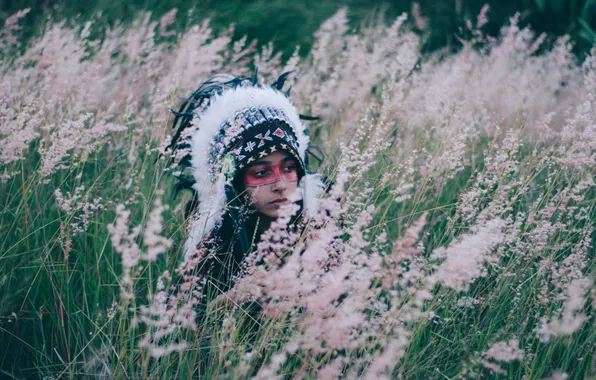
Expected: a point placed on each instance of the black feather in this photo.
(319, 155)
(182, 185)
(315, 152)
(185, 161)
(255, 77)
(180, 114)
(306, 117)
(279, 83)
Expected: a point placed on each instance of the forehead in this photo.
(275, 158)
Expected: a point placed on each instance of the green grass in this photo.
(60, 303)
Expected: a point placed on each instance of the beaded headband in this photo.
(252, 132)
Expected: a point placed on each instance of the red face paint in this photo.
(264, 174)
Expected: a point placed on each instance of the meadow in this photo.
(457, 239)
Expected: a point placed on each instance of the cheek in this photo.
(257, 196)
(292, 186)
(251, 193)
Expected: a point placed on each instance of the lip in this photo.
(279, 201)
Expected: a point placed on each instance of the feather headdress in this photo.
(222, 127)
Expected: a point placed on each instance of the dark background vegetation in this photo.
(289, 23)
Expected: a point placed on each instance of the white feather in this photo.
(312, 187)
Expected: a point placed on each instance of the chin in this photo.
(268, 212)
(272, 213)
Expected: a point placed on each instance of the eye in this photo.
(288, 169)
(260, 173)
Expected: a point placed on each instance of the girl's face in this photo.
(269, 181)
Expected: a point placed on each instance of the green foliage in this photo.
(290, 23)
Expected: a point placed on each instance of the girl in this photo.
(242, 150)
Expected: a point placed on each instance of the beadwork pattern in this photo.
(274, 132)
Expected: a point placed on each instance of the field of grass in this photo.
(458, 242)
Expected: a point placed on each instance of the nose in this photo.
(279, 186)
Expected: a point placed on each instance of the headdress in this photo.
(227, 123)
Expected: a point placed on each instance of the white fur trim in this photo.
(210, 215)
(311, 187)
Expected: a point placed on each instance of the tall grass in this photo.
(456, 242)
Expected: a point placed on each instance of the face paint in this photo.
(265, 174)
